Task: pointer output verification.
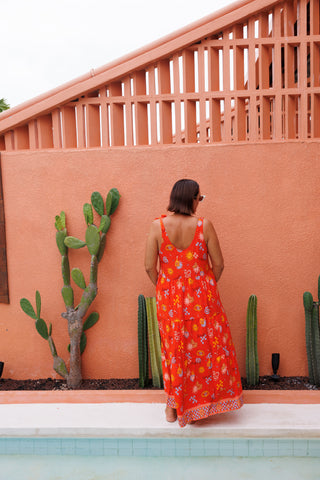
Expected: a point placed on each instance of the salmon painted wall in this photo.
(263, 200)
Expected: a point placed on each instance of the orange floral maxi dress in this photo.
(200, 370)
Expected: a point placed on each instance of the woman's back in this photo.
(180, 229)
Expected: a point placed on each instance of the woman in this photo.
(200, 370)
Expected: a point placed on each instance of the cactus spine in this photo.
(252, 361)
(154, 342)
(142, 342)
(95, 240)
(312, 333)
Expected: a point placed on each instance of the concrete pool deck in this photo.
(146, 420)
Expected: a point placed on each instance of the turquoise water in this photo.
(21, 467)
(161, 458)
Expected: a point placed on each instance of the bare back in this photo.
(180, 229)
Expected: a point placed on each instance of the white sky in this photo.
(45, 43)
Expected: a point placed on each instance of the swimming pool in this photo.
(133, 441)
(161, 458)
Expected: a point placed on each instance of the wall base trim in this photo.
(148, 396)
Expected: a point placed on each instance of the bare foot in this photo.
(171, 414)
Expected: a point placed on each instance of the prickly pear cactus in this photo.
(95, 240)
(45, 332)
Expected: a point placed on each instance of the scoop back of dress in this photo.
(200, 370)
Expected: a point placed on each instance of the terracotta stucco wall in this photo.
(263, 200)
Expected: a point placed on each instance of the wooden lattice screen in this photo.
(4, 290)
(255, 80)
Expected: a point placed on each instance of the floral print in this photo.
(200, 370)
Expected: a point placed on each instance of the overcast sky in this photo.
(45, 43)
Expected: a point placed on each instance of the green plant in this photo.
(3, 105)
(252, 360)
(95, 240)
(154, 342)
(142, 342)
(311, 309)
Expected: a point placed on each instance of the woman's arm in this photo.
(214, 249)
(151, 253)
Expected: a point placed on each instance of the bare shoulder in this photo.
(155, 228)
(208, 230)
(207, 225)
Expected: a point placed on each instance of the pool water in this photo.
(164, 458)
(22, 467)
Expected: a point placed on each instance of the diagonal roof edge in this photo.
(175, 41)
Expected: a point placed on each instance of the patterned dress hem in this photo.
(206, 410)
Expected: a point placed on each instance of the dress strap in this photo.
(163, 230)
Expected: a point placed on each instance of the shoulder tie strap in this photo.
(162, 225)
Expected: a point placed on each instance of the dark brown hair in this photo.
(182, 195)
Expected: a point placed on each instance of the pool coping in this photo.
(290, 414)
(147, 396)
(147, 420)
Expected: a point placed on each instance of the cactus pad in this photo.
(42, 328)
(67, 294)
(93, 239)
(63, 219)
(59, 223)
(97, 203)
(88, 213)
(65, 269)
(73, 242)
(28, 308)
(83, 342)
(104, 224)
(78, 278)
(112, 201)
(60, 367)
(38, 303)
(103, 240)
(91, 320)
(60, 237)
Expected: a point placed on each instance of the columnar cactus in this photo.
(252, 361)
(311, 309)
(154, 342)
(95, 241)
(142, 342)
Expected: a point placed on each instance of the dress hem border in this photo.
(206, 410)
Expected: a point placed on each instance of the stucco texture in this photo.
(263, 200)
